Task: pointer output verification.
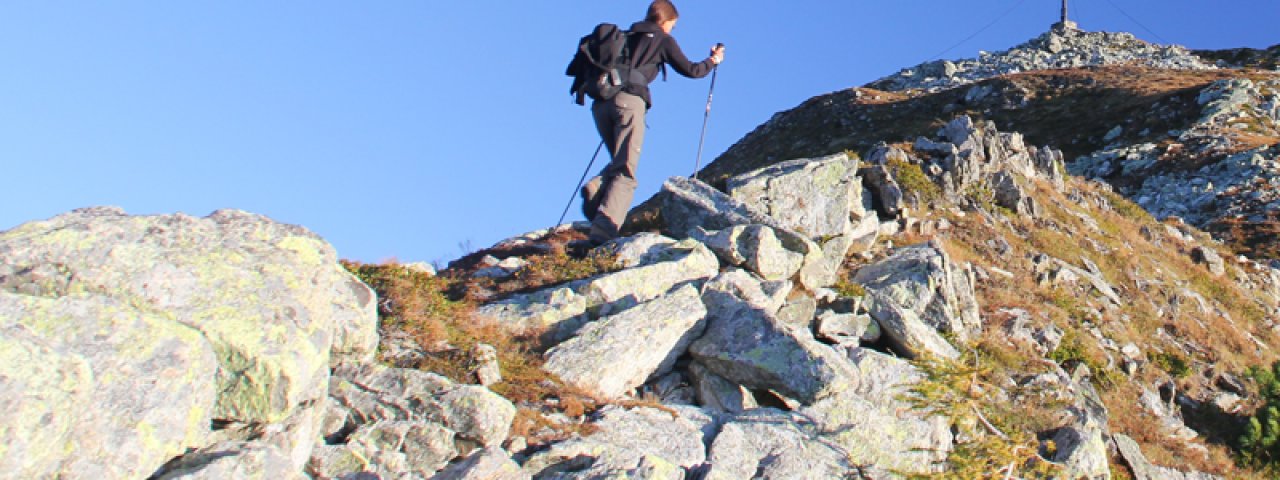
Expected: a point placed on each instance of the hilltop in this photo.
(1061, 47)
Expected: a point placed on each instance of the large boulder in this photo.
(561, 310)
(658, 267)
(623, 438)
(923, 280)
(612, 356)
(270, 299)
(873, 423)
(37, 382)
(905, 332)
(750, 346)
(767, 443)
(639, 249)
(813, 197)
(125, 388)
(373, 393)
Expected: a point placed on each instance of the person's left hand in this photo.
(717, 53)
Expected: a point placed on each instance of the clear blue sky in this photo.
(409, 129)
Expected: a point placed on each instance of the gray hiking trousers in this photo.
(620, 121)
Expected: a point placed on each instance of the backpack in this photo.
(602, 65)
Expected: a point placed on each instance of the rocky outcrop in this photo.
(1233, 179)
(1081, 445)
(70, 360)
(233, 347)
(976, 155)
(161, 325)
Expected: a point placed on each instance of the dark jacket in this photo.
(650, 48)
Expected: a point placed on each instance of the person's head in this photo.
(663, 13)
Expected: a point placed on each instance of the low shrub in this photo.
(994, 444)
(912, 179)
(1260, 444)
(1173, 363)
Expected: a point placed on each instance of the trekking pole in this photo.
(697, 163)
(580, 180)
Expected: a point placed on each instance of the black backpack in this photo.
(602, 65)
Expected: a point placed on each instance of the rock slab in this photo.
(612, 356)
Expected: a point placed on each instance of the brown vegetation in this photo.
(1148, 275)
(438, 315)
(1071, 109)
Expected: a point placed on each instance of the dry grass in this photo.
(447, 328)
(1255, 238)
(1146, 275)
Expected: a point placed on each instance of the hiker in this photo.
(607, 197)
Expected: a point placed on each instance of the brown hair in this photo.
(661, 11)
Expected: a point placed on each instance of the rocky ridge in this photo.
(1056, 49)
(774, 336)
(833, 364)
(1234, 175)
(1179, 136)
(1265, 58)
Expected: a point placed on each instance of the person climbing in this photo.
(607, 197)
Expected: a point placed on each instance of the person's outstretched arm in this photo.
(677, 59)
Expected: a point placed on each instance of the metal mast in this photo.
(1066, 23)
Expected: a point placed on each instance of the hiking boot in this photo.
(590, 204)
(580, 249)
